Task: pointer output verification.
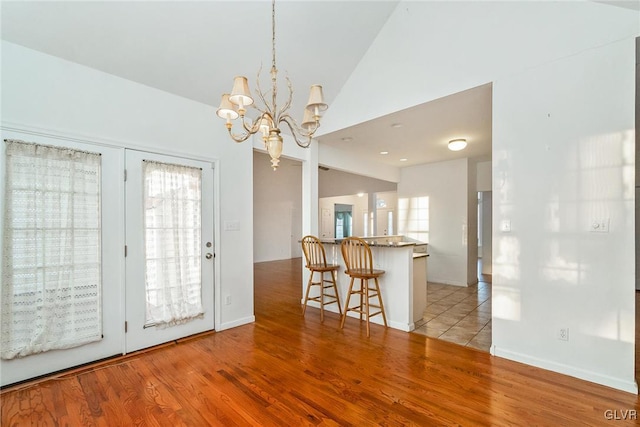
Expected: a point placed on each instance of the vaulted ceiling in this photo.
(195, 49)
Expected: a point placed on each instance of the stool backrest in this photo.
(356, 254)
(313, 251)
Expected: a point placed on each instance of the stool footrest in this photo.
(333, 299)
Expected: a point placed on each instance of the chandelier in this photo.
(270, 118)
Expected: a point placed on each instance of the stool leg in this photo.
(346, 306)
(335, 289)
(366, 302)
(306, 297)
(384, 317)
(361, 293)
(321, 296)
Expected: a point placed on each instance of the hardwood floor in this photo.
(286, 369)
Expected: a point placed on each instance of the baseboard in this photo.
(235, 323)
(617, 383)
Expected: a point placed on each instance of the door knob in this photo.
(208, 255)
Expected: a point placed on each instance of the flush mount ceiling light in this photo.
(270, 117)
(457, 144)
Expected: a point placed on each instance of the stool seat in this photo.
(316, 262)
(359, 261)
(320, 267)
(365, 273)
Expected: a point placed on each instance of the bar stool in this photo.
(359, 261)
(316, 260)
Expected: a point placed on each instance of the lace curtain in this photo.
(172, 232)
(51, 272)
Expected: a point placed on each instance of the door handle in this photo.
(208, 255)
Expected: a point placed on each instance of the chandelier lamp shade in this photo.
(234, 105)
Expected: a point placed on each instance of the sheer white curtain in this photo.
(51, 272)
(172, 230)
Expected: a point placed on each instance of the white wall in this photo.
(277, 209)
(637, 162)
(563, 158)
(483, 180)
(472, 223)
(483, 184)
(487, 243)
(551, 273)
(334, 182)
(63, 98)
(431, 49)
(446, 186)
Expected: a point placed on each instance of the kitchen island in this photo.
(403, 286)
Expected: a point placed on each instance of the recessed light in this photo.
(457, 144)
(403, 160)
(396, 125)
(347, 139)
(361, 194)
(384, 152)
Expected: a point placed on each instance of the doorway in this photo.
(169, 260)
(343, 220)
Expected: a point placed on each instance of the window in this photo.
(413, 218)
(52, 281)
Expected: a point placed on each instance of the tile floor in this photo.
(458, 314)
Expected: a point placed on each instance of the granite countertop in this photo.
(373, 243)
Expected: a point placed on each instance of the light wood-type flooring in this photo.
(290, 370)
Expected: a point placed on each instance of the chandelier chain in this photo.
(274, 70)
(273, 34)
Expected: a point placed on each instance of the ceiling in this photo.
(421, 134)
(194, 49)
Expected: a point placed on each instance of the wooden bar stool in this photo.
(359, 261)
(316, 260)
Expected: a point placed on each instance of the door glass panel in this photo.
(172, 226)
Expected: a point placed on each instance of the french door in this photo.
(169, 240)
(163, 253)
(36, 268)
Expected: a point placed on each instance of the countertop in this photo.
(372, 243)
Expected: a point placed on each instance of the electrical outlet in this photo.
(563, 334)
(227, 300)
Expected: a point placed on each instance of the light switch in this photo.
(505, 225)
(232, 225)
